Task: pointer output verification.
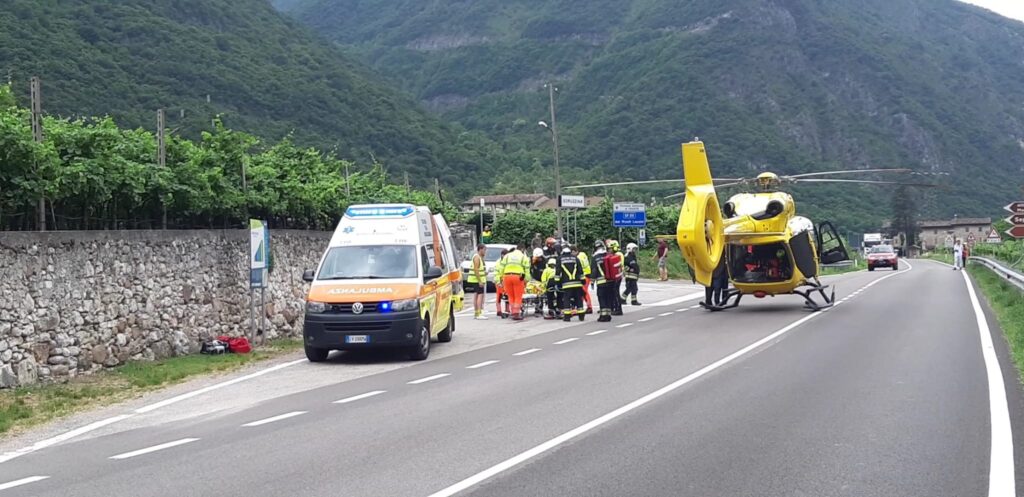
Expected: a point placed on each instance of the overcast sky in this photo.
(1008, 8)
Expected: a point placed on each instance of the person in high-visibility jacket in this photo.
(476, 281)
(515, 269)
(585, 262)
(570, 279)
(499, 284)
(632, 267)
(548, 280)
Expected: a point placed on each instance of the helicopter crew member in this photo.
(477, 281)
(714, 294)
(570, 279)
(550, 284)
(516, 267)
(632, 269)
(614, 261)
(585, 261)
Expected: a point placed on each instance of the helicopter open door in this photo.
(831, 249)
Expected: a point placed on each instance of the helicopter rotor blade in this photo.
(847, 171)
(867, 181)
(640, 182)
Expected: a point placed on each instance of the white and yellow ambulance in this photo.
(387, 279)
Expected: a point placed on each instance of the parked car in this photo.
(883, 256)
(491, 257)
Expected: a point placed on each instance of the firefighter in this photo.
(550, 248)
(632, 267)
(613, 272)
(550, 287)
(585, 262)
(515, 269)
(603, 285)
(570, 279)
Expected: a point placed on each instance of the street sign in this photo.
(1015, 207)
(1016, 219)
(629, 215)
(1016, 232)
(643, 237)
(993, 237)
(949, 241)
(971, 239)
(573, 201)
(259, 253)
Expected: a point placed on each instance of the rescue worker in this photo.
(585, 261)
(477, 281)
(547, 279)
(632, 268)
(713, 295)
(603, 285)
(614, 262)
(550, 248)
(516, 266)
(499, 284)
(485, 236)
(570, 279)
(537, 265)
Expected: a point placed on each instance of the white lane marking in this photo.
(361, 396)
(644, 320)
(481, 364)
(42, 444)
(154, 448)
(567, 340)
(582, 429)
(527, 351)
(677, 300)
(1001, 478)
(429, 378)
(275, 418)
(23, 481)
(694, 306)
(664, 314)
(624, 325)
(683, 310)
(598, 332)
(194, 393)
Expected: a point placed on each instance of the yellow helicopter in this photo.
(766, 248)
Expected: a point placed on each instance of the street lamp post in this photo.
(554, 141)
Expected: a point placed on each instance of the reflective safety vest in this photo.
(516, 262)
(570, 272)
(632, 267)
(477, 274)
(585, 263)
(597, 268)
(548, 277)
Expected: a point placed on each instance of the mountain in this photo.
(787, 85)
(241, 59)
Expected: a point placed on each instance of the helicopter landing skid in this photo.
(808, 295)
(727, 302)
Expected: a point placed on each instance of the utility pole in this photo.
(161, 156)
(37, 135)
(437, 188)
(407, 189)
(348, 191)
(558, 177)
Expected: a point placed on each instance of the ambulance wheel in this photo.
(316, 355)
(421, 350)
(446, 335)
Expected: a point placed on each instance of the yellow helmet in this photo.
(613, 244)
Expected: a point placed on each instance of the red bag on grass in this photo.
(239, 345)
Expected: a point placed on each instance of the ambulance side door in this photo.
(430, 296)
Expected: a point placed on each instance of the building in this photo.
(504, 203)
(934, 233)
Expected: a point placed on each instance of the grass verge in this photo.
(23, 407)
(1008, 304)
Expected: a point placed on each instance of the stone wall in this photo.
(75, 302)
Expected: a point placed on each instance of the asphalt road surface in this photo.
(886, 394)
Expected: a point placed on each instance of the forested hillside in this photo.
(790, 85)
(260, 71)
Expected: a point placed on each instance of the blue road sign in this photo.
(629, 215)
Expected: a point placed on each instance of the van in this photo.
(388, 278)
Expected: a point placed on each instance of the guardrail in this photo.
(1015, 278)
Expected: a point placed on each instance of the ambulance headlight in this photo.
(405, 305)
(315, 307)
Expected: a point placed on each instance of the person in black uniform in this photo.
(571, 279)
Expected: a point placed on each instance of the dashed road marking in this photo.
(361, 396)
(23, 481)
(154, 448)
(429, 378)
(683, 309)
(527, 351)
(644, 320)
(275, 418)
(481, 364)
(598, 332)
(567, 340)
(624, 325)
(664, 314)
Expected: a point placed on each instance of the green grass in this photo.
(1008, 304)
(677, 269)
(27, 406)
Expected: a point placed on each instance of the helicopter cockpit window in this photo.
(760, 263)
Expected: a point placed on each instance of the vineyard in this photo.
(91, 174)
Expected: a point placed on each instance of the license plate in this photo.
(357, 339)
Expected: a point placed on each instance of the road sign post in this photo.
(259, 265)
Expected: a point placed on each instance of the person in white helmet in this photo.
(632, 268)
(537, 266)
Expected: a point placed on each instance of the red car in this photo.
(883, 256)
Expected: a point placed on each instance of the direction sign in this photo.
(573, 201)
(629, 215)
(1016, 232)
(1015, 207)
(1016, 219)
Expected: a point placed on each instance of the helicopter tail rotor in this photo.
(700, 232)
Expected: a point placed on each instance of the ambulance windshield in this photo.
(369, 262)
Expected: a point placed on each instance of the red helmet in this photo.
(550, 241)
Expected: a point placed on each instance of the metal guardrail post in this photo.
(1015, 278)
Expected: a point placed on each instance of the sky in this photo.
(1008, 8)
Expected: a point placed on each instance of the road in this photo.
(887, 394)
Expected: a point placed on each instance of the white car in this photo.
(491, 257)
